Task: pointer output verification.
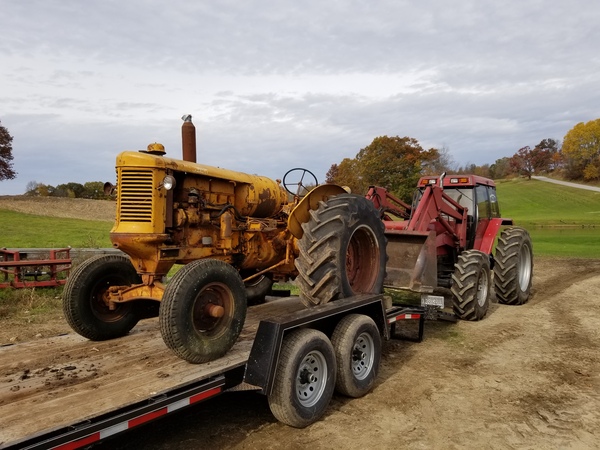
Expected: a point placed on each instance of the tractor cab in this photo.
(476, 194)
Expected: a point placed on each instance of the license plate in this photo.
(432, 300)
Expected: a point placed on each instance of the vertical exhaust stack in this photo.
(188, 139)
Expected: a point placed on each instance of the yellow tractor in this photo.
(234, 233)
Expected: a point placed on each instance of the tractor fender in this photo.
(301, 213)
(486, 243)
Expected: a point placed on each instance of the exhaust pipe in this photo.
(188, 139)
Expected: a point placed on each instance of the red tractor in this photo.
(443, 247)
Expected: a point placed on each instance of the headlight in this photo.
(168, 182)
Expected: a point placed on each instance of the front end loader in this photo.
(443, 249)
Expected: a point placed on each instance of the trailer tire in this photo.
(83, 305)
(357, 345)
(192, 300)
(471, 285)
(513, 268)
(304, 378)
(342, 251)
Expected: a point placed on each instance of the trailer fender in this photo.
(265, 352)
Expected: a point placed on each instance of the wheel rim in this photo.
(99, 300)
(362, 260)
(363, 355)
(524, 267)
(482, 288)
(206, 306)
(311, 378)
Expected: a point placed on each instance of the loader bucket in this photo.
(412, 260)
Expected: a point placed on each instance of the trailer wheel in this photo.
(304, 379)
(357, 345)
(203, 310)
(85, 292)
(471, 285)
(513, 269)
(342, 251)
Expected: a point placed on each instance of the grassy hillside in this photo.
(539, 203)
(21, 230)
(563, 221)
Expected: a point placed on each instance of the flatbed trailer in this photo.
(67, 392)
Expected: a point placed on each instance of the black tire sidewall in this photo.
(77, 297)
(296, 414)
(469, 297)
(343, 339)
(177, 328)
(502, 259)
(323, 250)
(362, 215)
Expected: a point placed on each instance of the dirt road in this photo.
(524, 378)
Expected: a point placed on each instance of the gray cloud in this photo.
(277, 85)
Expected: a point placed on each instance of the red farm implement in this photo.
(18, 271)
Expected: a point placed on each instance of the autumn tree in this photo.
(500, 169)
(392, 162)
(35, 189)
(6, 157)
(581, 149)
(546, 155)
(521, 162)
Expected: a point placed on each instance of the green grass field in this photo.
(562, 221)
(30, 231)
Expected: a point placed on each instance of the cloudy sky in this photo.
(273, 85)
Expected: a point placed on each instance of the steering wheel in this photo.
(302, 187)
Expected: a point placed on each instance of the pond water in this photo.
(581, 242)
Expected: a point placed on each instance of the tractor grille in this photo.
(135, 196)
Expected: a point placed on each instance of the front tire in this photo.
(342, 251)
(513, 269)
(203, 310)
(357, 344)
(86, 291)
(305, 378)
(471, 285)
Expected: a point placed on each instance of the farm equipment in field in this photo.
(235, 234)
(19, 271)
(443, 248)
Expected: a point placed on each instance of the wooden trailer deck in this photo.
(52, 383)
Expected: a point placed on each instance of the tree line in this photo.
(91, 189)
(397, 163)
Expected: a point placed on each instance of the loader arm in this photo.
(436, 206)
(385, 202)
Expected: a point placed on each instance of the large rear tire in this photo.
(342, 251)
(203, 310)
(86, 291)
(471, 285)
(357, 344)
(513, 269)
(305, 378)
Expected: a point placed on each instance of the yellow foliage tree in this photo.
(581, 148)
